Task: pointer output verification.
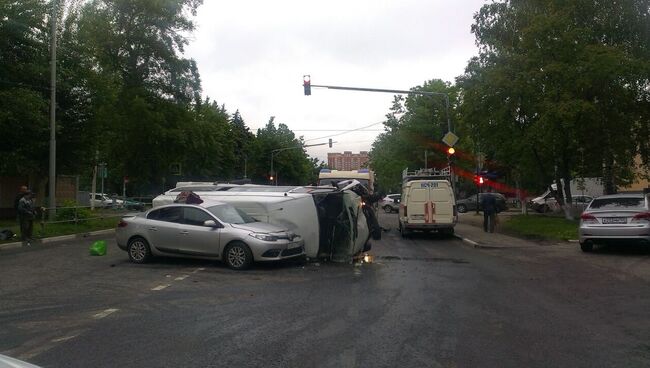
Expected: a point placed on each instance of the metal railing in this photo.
(82, 214)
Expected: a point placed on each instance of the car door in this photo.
(195, 238)
(163, 227)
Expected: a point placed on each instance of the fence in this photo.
(79, 215)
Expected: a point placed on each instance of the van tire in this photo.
(448, 232)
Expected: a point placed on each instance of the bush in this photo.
(69, 213)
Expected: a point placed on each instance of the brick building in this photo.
(347, 160)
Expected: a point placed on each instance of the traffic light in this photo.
(330, 142)
(450, 155)
(479, 180)
(306, 83)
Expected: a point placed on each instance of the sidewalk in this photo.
(470, 230)
(55, 239)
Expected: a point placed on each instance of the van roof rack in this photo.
(426, 174)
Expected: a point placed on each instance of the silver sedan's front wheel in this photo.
(139, 251)
(238, 256)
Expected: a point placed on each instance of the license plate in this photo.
(417, 217)
(614, 220)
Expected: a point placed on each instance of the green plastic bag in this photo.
(98, 248)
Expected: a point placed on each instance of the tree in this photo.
(24, 88)
(291, 166)
(137, 48)
(242, 141)
(559, 81)
(414, 124)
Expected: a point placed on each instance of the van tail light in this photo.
(405, 211)
(122, 223)
(588, 218)
(455, 211)
(641, 217)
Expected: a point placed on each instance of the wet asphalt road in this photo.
(422, 302)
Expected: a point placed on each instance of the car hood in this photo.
(259, 227)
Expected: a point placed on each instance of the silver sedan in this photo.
(211, 230)
(615, 219)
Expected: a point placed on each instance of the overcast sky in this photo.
(252, 55)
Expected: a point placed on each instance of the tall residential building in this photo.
(347, 160)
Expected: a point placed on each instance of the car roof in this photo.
(623, 195)
(204, 204)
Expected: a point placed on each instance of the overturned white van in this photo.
(331, 221)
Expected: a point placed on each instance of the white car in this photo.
(390, 203)
(103, 200)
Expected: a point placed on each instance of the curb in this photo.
(55, 239)
(468, 241)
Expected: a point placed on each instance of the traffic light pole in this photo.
(424, 93)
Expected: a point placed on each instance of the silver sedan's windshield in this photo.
(230, 214)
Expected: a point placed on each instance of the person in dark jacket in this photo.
(489, 205)
(21, 192)
(26, 215)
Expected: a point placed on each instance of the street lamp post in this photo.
(273, 152)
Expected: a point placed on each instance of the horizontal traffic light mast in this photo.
(307, 87)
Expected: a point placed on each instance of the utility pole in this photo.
(52, 178)
(93, 188)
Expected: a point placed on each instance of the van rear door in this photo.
(418, 199)
(430, 202)
(442, 199)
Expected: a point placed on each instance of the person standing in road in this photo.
(489, 204)
(26, 215)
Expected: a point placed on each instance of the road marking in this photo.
(181, 278)
(105, 313)
(65, 338)
(199, 269)
(160, 287)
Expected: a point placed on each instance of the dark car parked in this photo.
(469, 203)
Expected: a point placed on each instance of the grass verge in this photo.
(57, 229)
(541, 227)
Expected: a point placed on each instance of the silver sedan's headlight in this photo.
(264, 237)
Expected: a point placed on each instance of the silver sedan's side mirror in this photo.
(210, 223)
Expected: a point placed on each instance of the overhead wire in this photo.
(344, 132)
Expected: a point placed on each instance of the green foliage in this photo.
(541, 227)
(560, 89)
(291, 164)
(414, 124)
(126, 96)
(71, 211)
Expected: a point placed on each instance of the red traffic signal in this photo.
(479, 180)
(306, 83)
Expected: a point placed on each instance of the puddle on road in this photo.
(369, 259)
(422, 259)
